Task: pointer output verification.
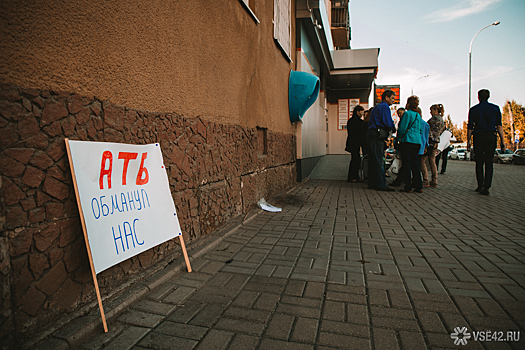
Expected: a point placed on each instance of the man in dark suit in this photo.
(484, 120)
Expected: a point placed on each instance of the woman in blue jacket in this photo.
(409, 131)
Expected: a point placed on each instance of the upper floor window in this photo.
(282, 30)
(250, 7)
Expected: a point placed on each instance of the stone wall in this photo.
(216, 171)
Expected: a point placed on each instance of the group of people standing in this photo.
(417, 142)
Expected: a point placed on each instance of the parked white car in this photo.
(458, 153)
(500, 157)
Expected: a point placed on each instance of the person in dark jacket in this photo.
(484, 121)
(354, 142)
(380, 122)
(366, 118)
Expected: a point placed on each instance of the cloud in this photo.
(462, 9)
(494, 72)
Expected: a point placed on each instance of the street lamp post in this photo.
(412, 92)
(470, 61)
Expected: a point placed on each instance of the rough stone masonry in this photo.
(216, 171)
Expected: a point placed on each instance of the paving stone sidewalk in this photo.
(344, 267)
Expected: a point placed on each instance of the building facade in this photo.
(207, 80)
(346, 77)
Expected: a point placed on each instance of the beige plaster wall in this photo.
(195, 58)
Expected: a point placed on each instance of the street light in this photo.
(470, 61)
(412, 93)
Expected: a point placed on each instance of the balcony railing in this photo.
(340, 25)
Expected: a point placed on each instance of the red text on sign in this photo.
(126, 156)
(106, 168)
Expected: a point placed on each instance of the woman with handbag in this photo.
(409, 132)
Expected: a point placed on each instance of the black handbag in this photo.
(383, 133)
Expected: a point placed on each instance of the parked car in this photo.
(503, 157)
(458, 153)
(518, 157)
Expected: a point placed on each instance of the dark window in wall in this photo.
(262, 141)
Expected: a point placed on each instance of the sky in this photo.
(427, 37)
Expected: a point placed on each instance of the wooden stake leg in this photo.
(185, 253)
(100, 305)
(83, 222)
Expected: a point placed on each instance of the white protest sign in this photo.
(125, 197)
(444, 140)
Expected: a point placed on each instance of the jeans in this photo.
(431, 155)
(355, 164)
(409, 156)
(484, 147)
(376, 170)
